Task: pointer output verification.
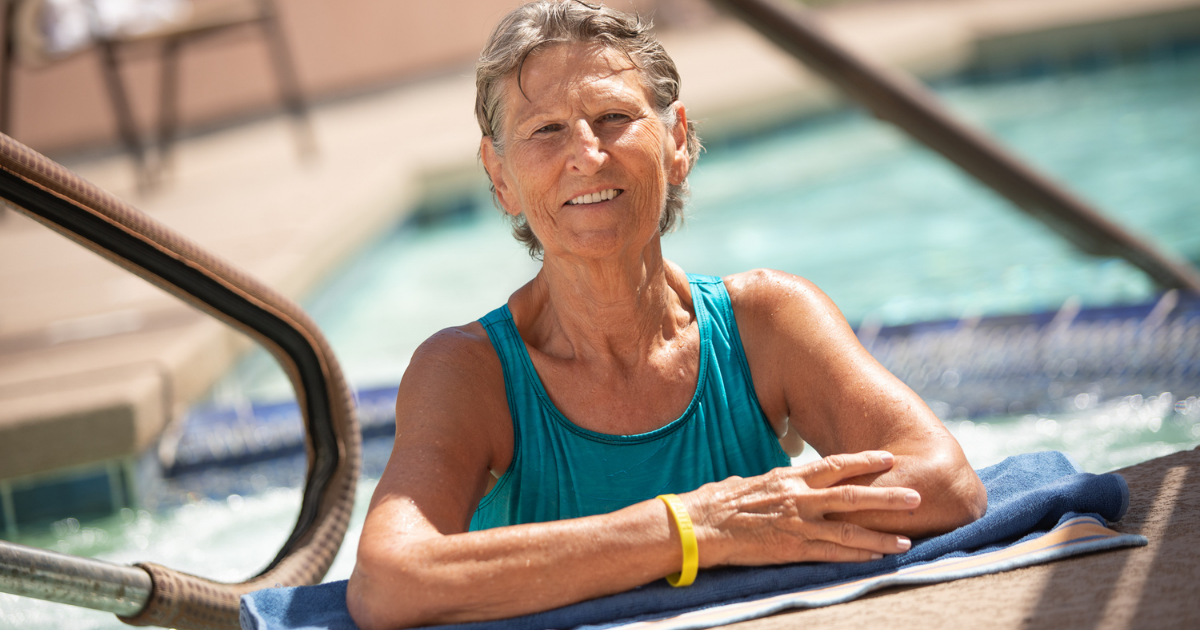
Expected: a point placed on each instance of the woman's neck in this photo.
(587, 309)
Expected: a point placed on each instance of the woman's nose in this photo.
(587, 157)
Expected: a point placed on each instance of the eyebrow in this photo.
(607, 99)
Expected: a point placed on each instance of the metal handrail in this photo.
(66, 579)
(896, 97)
(61, 200)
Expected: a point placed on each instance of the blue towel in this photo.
(1028, 495)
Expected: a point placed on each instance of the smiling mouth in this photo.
(596, 197)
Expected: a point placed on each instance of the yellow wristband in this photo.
(687, 536)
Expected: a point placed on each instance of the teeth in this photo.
(596, 197)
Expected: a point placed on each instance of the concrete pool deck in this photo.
(95, 363)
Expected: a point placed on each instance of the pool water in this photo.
(227, 539)
(890, 231)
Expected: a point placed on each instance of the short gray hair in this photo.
(521, 32)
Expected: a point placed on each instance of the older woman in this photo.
(531, 445)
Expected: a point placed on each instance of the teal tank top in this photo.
(560, 470)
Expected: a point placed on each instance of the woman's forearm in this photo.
(420, 579)
(951, 493)
(410, 574)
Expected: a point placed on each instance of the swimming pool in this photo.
(892, 233)
(889, 230)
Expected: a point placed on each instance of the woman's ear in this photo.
(680, 161)
(494, 165)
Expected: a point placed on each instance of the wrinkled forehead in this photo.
(556, 71)
(557, 56)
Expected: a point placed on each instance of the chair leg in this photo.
(168, 112)
(6, 68)
(126, 126)
(6, 98)
(288, 82)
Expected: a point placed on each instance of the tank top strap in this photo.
(505, 339)
(711, 297)
(520, 386)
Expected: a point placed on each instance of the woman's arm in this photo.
(811, 372)
(418, 565)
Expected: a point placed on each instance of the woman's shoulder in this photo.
(763, 292)
(451, 362)
(792, 333)
(784, 313)
(460, 349)
(454, 386)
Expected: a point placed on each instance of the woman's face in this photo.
(586, 157)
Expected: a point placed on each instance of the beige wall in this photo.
(340, 47)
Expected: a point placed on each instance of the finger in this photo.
(858, 498)
(830, 470)
(850, 536)
(825, 551)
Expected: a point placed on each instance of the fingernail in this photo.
(912, 498)
(903, 544)
(876, 556)
(886, 458)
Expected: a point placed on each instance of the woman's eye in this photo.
(551, 128)
(614, 118)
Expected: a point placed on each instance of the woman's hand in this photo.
(780, 516)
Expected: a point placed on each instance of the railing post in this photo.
(10, 510)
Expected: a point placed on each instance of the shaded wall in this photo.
(340, 47)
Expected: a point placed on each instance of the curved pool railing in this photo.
(59, 199)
